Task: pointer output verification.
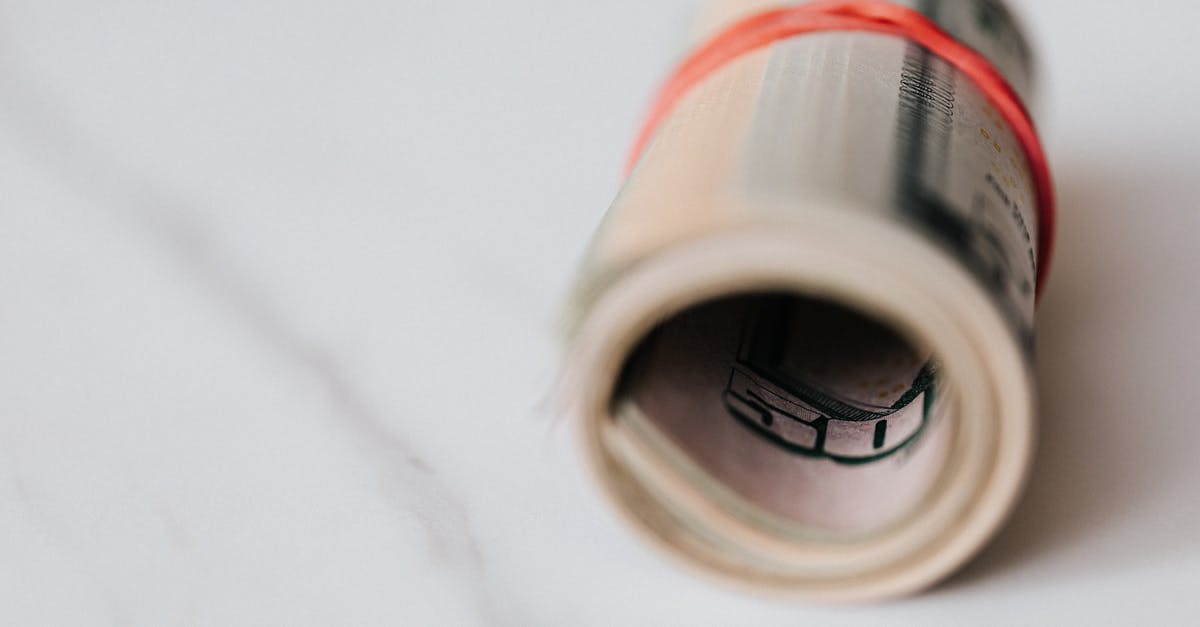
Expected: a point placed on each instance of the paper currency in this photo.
(799, 345)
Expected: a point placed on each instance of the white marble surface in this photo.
(277, 283)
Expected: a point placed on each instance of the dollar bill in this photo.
(800, 340)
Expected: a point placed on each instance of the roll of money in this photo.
(800, 341)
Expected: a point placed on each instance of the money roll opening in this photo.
(792, 413)
(778, 414)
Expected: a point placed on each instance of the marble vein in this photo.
(53, 141)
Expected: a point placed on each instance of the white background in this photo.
(278, 283)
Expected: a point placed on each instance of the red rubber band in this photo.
(874, 16)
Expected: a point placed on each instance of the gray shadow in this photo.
(1115, 428)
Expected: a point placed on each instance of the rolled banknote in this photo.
(799, 345)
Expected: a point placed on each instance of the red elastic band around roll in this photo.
(873, 16)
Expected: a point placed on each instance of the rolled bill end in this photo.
(933, 304)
